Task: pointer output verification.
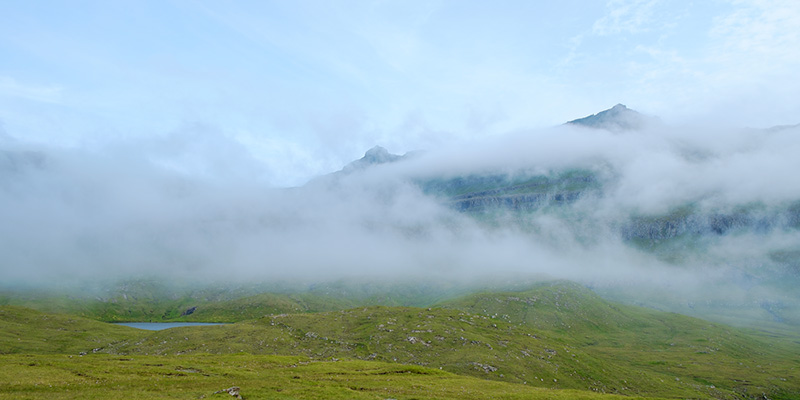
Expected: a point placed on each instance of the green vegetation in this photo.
(28, 331)
(258, 377)
(148, 300)
(553, 340)
(689, 349)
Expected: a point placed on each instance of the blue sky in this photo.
(286, 90)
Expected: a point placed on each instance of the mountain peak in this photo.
(618, 118)
(378, 155)
(373, 156)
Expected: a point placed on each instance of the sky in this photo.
(278, 92)
(194, 140)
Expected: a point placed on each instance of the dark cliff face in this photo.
(519, 202)
(521, 193)
(481, 194)
(655, 229)
(685, 221)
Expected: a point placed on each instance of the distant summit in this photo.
(373, 156)
(616, 119)
(379, 155)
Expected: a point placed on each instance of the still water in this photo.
(157, 326)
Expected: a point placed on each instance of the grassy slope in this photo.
(558, 335)
(47, 334)
(456, 341)
(152, 301)
(697, 351)
(35, 372)
(552, 336)
(28, 331)
(258, 377)
(333, 296)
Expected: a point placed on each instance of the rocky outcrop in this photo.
(484, 193)
(689, 222)
(189, 311)
(233, 391)
(519, 202)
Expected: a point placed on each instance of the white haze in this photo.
(141, 209)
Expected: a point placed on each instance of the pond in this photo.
(157, 326)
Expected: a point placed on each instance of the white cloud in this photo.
(626, 16)
(758, 38)
(119, 211)
(11, 87)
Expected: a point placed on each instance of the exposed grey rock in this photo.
(233, 391)
(664, 227)
(485, 367)
(500, 192)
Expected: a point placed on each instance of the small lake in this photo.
(157, 326)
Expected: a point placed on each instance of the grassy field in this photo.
(258, 377)
(555, 340)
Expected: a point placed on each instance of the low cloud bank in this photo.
(120, 212)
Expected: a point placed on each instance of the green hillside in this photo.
(28, 331)
(256, 306)
(453, 340)
(155, 301)
(645, 339)
(556, 335)
(99, 376)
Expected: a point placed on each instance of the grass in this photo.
(689, 349)
(28, 331)
(146, 300)
(558, 337)
(258, 377)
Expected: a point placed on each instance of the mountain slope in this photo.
(23, 330)
(557, 335)
(642, 338)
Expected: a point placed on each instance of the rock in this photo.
(233, 391)
(485, 367)
(189, 311)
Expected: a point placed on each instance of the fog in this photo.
(206, 213)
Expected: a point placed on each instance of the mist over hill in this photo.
(699, 219)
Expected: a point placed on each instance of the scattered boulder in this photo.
(233, 391)
(485, 367)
